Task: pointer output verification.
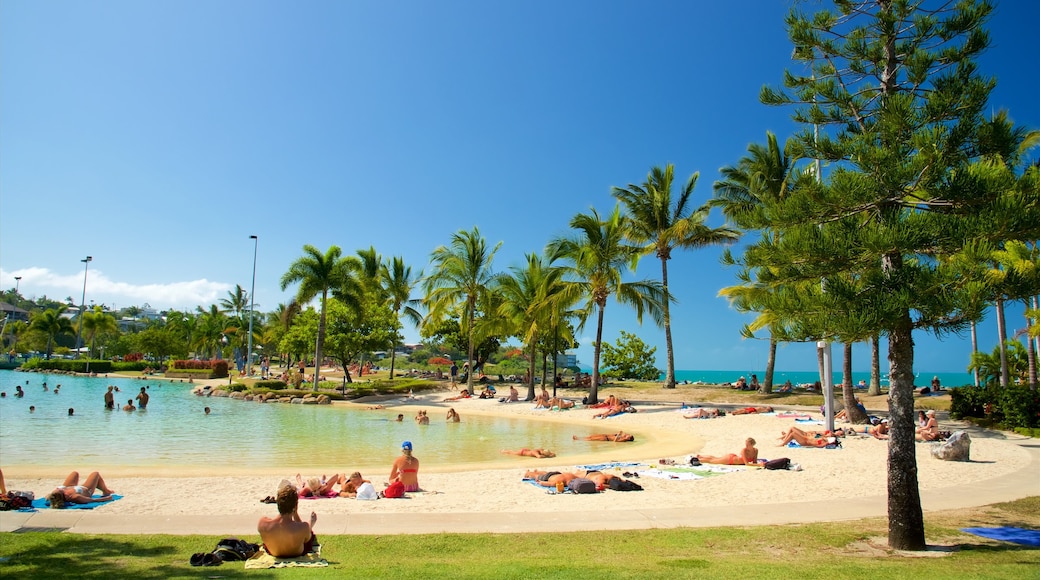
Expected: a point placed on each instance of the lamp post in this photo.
(17, 282)
(252, 301)
(79, 332)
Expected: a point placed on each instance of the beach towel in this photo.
(794, 415)
(1008, 534)
(263, 560)
(827, 446)
(611, 465)
(687, 473)
(42, 504)
(809, 421)
(548, 490)
(328, 495)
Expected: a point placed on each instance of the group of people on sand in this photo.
(560, 479)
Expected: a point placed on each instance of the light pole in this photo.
(79, 332)
(252, 301)
(17, 281)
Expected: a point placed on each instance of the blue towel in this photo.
(1007, 534)
(42, 504)
(611, 465)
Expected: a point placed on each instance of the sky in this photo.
(157, 137)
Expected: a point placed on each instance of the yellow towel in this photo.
(262, 560)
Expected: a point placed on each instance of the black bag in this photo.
(781, 463)
(618, 484)
(582, 485)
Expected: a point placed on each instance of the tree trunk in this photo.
(320, 342)
(530, 371)
(767, 385)
(974, 351)
(905, 519)
(819, 362)
(874, 389)
(848, 396)
(393, 359)
(1002, 331)
(594, 386)
(1031, 352)
(469, 354)
(669, 377)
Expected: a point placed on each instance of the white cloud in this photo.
(37, 282)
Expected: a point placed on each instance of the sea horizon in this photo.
(921, 378)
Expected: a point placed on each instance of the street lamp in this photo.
(252, 301)
(79, 333)
(17, 281)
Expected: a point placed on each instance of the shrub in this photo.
(1014, 406)
(1020, 407)
(128, 366)
(72, 366)
(236, 387)
(220, 369)
(270, 385)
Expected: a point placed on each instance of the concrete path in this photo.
(1022, 483)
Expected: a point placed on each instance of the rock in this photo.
(238, 395)
(296, 400)
(956, 448)
(310, 401)
(324, 400)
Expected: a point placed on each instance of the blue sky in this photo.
(158, 136)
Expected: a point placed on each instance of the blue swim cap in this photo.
(407, 445)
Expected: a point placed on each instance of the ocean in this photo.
(922, 379)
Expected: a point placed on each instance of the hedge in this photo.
(65, 365)
(1012, 407)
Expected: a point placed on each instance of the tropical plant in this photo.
(237, 302)
(661, 225)
(461, 275)
(98, 322)
(398, 282)
(319, 274)
(593, 260)
(630, 358)
(51, 323)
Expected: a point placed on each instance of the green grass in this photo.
(827, 550)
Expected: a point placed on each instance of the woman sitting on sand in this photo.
(406, 468)
(930, 431)
(525, 452)
(747, 456)
(72, 492)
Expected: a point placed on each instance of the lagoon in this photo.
(241, 436)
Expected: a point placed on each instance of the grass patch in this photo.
(826, 550)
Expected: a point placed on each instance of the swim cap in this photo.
(407, 445)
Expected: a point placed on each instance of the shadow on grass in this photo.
(51, 554)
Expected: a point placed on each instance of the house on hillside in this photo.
(12, 313)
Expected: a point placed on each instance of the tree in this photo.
(630, 359)
(318, 274)
(237, 302)
(663, 226)
(353, 332)
(98, 322)
(51, 323)
(894, 88)
(461, 275)
(594, 258)
(398, 282)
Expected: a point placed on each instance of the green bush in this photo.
(1011, 407)
(236, 387)
(971, 401)
(73, 366)
(270, 385)
(1020, 407)
(131, 366)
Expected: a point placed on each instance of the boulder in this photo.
(956, 448)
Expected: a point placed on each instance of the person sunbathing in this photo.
(560, 403)
(619, 437)
(930, 431)
(602, 480)
(358, 487)
(555, 477)
(541, 401)
(72, 492)
(525, 452)
(747, 456)
(463, 394)
(611, 402)
(287, 536)
(809, 438)
(702, 413)
(621, 407)
(316, 487)
(749, 410)
(879, 431)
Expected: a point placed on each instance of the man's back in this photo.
(283, 537)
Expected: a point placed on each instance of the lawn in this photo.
(853, 549)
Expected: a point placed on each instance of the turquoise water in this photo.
(174, 431)
(922, 379)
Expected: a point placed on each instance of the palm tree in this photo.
(208, 333)
(237, 302)
(594, 259)
(398, 283)
(282, 318)
(527, 304)
(461, 274)
(318, 274)
(98, 322)
(52, 323)
(663, 226)
(762, 177)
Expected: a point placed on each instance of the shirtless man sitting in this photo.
(619, 437)
(286, 536)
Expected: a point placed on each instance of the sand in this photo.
(858, 469)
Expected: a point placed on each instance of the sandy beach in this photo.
(856, 470)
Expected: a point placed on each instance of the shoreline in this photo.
(492, 497)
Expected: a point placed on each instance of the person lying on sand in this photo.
(560, 403)
(463, 394)
(550, 479)
(702, 413)
(621, 407)
(879, 431)
(749, 410)
(318, 487)
(72, 492)
(747, 456)
(287, 536)
(536, 453)
(620, 436)
(810, 438)
(611, 401)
